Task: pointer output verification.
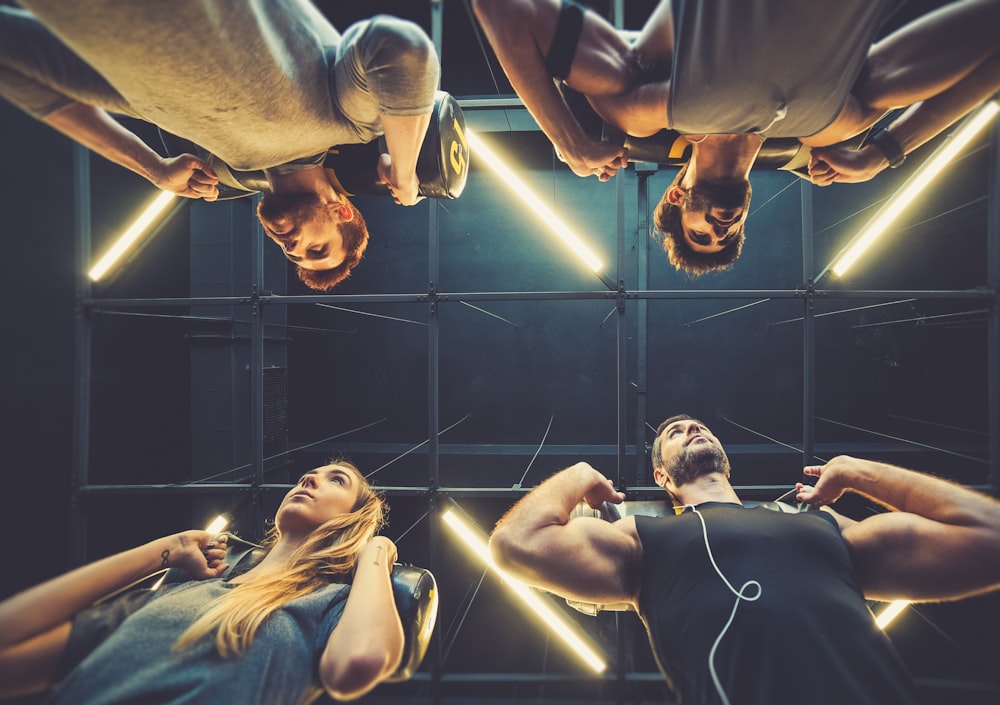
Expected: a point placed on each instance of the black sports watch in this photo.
(888, 145)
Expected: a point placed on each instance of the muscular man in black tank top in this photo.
(750, 604)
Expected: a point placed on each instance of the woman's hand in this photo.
(198, 553)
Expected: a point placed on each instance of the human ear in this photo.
(676, 195)
(345, 212)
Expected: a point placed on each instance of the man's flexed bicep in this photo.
(942, 542)
(580, 558)
(904, 556)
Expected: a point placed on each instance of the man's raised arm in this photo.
(942, 542)
(939, 66)
(184, 175)
(521, 33)
(584, 558)
(917, 125)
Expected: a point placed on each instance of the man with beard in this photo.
(729, 73)
(259, 85)
(750, 604)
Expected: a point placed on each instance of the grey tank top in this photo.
(780, 68)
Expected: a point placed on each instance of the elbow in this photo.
(508, 550)
(23, 673)
(349, 676)
(500, 548)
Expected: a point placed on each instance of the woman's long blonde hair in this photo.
(327, 556)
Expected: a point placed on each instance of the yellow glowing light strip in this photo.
(914, 185)
(477, 545)
(561, 230)
(131, 235)
(890, 613)
(218, 524)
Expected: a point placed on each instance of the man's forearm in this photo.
(403, 138)
(99, 132)
(924, 121)
(520, 57)
(551, 503)
(921, 494)
(534, 86)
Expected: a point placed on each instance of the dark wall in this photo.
(140, 406)
(37, 350)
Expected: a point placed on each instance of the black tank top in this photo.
(809, 637)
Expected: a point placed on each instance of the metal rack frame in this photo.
(434, 297)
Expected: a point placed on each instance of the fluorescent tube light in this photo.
(478, 545)
(126, 239)
(913, 186)
(218, 524)
(890, 613)
(521, 190)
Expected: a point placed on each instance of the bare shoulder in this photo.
(627, 526)
(843, 522)
(631, 544)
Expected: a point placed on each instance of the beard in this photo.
(730, 197)
(287, 210)
(697, 461)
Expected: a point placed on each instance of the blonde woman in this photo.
(316, 613)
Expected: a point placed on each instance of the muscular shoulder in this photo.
(631, 552)
(384, 33)
(627, 526)
(843, 523)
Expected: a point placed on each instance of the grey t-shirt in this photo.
(136, 663)
(781, 68)
(251, 81)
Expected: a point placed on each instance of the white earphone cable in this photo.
(740, 594)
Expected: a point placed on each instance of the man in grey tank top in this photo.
(729, 73)
(687, 574)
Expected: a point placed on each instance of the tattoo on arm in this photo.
(378, 556)
(165, 556)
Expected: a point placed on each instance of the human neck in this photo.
(707, 488)
(722, 158)
(312, 179)
(275, 561)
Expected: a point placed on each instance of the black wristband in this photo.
(888, 145)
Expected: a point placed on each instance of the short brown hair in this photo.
(667, 218)
(355, 234)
